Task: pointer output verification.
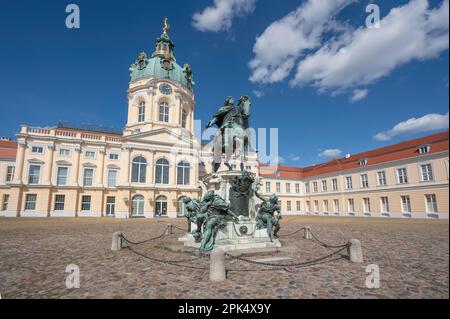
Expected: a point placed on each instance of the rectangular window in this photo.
(426, 172)
(288, 204)
(307, 187)
(336, 205)
(88, 176)
(86, 203)
(363, 162)
(268, 187)
(351, 205)
(299, 206)
(316, 206)
(37, 149)
(297, 188)
(288, 188)
(402, 177)
(278, 186)
(366, 205)
(334, 184)
(348, 182)
(61, 176)
(33, 174)
(384, 207)
(5, 202)
(406, 204)
(164, 112)
(315, 188)
(325, 206)
(381, 178)
(141, 112)
(424, 149)
(30, 201)
(110, 205)
(431, 203)
(364, 181)
(10, 173)
(112, 178)
(113, 156)
(89, 154)
(59, 202)
(324, 186)
(64, 152)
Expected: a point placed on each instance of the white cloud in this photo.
(258, 93)
(294, 157)
(277, 159)
(426, 123)
(219, 16)
(281, 44)
(358, 95)
(331, 152)
(362, 56)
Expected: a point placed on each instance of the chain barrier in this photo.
(147, 240)
(293, 233)
(179, 228)
(325, 244)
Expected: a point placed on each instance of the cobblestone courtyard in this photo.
(413, 257)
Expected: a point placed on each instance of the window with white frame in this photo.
(324, 186)
(316, 206)
(113, 156)
(315, 187)
(10, 173)
(424, 149)
(336, 205)
(138, 169)
(348, 182)
(363, 162)
(288, 188)
(37, 149)
(183, 173)
(278, 187)
(88, 177)
(110, 205)
(268, 187)
(61, 175)
(431, 203)
(112, 178)
(162, 171)
(299, 205)
(334, 184)
(364, 181)
(141, 112)
(426, 172)
(86, 203)
(64, 152)
(297, 188)
(89, 154)
(366, 205)
(384, 204)
(406, 203)
(325, 206)
(5, 202)
(351, 205)
(402, 176)
(381, 178)
(288, 205)
(307, 187)
(164, 112)
(59, 202)
(30, 201)
(34, 173)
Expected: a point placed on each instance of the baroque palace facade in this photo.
(146, 169)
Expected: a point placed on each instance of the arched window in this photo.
(141, 112)
(137, 205)
(181, 207)
(164, 112)
(161, 206)
(162, 171)
(138, 170)
(183, 172)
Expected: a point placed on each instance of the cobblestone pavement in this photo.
(413, 257)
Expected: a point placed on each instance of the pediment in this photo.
(35, 161)
(162, 136)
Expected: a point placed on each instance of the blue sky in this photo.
(389, 85)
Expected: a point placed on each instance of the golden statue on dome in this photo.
(166, 26)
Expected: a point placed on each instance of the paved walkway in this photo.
(413, 257)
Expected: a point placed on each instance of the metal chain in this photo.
(293, 233)
(324, 244)
(164, 261)
(147, 240)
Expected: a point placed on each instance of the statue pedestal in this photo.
(238, 237)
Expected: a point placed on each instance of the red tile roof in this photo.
(8, 149)
(403, 150)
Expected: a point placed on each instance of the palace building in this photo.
(72, 170)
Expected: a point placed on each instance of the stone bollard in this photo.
(116, 241)
(307, 233)
(355, 251)
(217, 265)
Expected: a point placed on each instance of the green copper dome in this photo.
(162, 64)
